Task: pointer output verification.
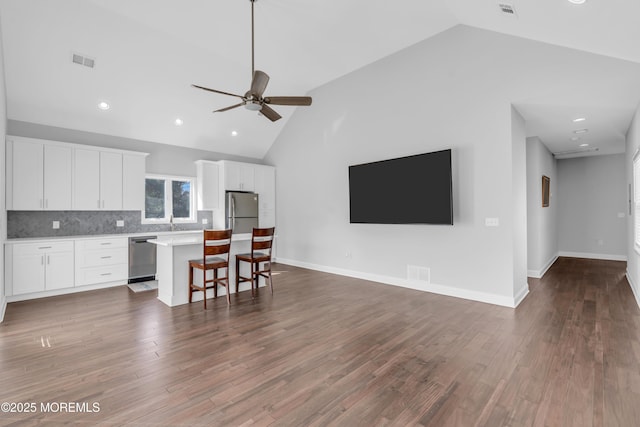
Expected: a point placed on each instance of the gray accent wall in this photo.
(29, 224)
(592, 206)
(542, 234)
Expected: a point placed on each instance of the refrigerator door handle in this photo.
(233, 209)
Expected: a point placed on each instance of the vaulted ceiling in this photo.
(147, 54)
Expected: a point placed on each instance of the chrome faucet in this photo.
(173, 226)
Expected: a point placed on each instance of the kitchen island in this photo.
(174, 253)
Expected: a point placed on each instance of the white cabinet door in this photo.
(238, 176)
(133, 172)
(57, 177)
(27, 177)
(86, 180)
(59, 273)
(28, 273)
(208, 185)
(110, 181)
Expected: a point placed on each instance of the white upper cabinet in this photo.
(208, 185)
(39, 175)
(86, 194)
(98, 180)
(57, 177)
(111, 181)
(133, 172)
(238, 176)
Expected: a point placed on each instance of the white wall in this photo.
(434, 95)
(592, 193)
(541, 221)
(519, 205)
(633, 257)
(3, 212)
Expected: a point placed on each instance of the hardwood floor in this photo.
(329, 350)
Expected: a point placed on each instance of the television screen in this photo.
(408, 190)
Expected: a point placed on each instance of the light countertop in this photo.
(183, 240)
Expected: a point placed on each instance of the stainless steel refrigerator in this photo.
(241, 211)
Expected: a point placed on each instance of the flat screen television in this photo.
(408, 190)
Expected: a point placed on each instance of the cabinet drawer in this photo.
(41, 248)
(90, 276)
(102, 257)
(89, 245)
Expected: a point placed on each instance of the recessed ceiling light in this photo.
(234, 133)
(584, 145)
(104, 105)
(179, 122)
(577, 1)
(575, 138)
(581, 131)
(579, 119)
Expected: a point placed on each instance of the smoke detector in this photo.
(76, 58)
(507, 9)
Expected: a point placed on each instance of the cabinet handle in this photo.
(98, 204)
(105, 243)
(48, 260)
(42, 260)
(40, 202)
(44, 247)
(106, 274)
(46, 203)
(103, 204)
(105, 257)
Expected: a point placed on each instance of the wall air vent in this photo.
(418, 274)
(83, 60)
(507, 8)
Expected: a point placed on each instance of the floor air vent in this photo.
(418, 274)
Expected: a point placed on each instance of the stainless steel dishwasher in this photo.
(142, 259)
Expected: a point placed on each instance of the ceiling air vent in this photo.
(83, 60)
(507, 8)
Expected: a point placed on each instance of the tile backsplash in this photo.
(21, 224)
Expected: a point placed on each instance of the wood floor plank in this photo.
(327, 350)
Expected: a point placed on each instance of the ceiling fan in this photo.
(253, 99)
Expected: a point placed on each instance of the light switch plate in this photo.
(120, 223)
(56, 225)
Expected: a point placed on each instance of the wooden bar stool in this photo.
(215, 255)
(261, 244)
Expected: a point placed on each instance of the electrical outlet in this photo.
(120, 223)
(491, 222)
(56, 225)
(205, 221)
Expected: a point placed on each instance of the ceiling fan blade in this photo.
(259, 83)
(270, 113)
(288, 100)
(218, 91)
(229, 108)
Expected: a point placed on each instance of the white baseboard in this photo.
(539, 274)
(609, 257)
(3, 307)
(634, 288)
(56, 292)
(416, 285)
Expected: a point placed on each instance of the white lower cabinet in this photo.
(101, 260)
(38, 267)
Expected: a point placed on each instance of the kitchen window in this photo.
(169, 198)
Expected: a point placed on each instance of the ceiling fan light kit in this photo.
(253, 100)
